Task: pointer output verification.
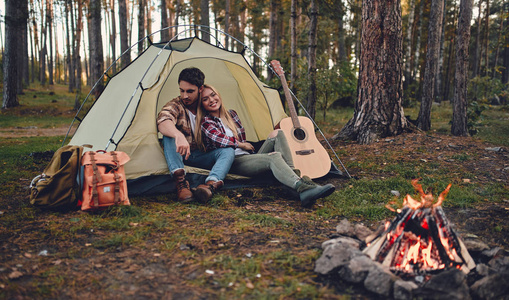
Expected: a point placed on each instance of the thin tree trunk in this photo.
(497, 50)
(272, 32)
(477, 57)
(428, 93)
(459, 115)
(16, 17)
(141, 25)
(32, 56)
(49, 13)
(342, 56)
(293, 38)
(378, 110)
(113, 36)
(416, 61)
(165, 35)
(124, 46)
(70, 45)
(96, 47)
(312, 40)
(44, 35)
(408, 42)
(438, 93)
(204, 20)
(486, 38)
(77, 56)
(227, 24)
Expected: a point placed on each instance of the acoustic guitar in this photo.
(309, 156)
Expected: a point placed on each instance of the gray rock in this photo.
(343, 239)
(380, 280)
(448, 285)
(492, 287)
(403, 290)
(483, 270)
(362, 232)
(500, 264)
(494, 149)
(474, 245)
(491, 252)
(335, 256)
(357, 269)
(345, 228)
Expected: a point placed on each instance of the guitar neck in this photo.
(288, 96)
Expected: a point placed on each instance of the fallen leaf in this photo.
(15, 274)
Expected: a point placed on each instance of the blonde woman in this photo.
(223, 129)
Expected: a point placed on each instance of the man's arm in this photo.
(167, 128)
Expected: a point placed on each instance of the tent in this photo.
(123, 117)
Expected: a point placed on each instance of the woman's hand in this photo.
(246, 146)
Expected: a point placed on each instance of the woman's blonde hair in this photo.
(223, 114)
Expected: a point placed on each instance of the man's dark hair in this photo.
(192, 75)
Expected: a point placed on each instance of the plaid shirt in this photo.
(214, 135)
(176, 113)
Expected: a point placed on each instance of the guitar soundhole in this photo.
(299, 134)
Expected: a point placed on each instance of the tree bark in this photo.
(293, 46)
(205, 20)
(113, 36)
(440, 68)
(428, 92)
(141, 25)
(459, 114)
(165, 34)
(124, 46)
(477, 57)
(16, 17)
(408, 42)
(272, 32)
(96, 47)
(227, 24)
(378, 110)
(49, 14)
(342, 56)
(312, 40)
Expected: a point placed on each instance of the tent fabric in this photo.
(123, 118)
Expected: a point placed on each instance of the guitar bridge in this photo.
(305, 152)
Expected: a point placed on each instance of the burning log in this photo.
(420, 239)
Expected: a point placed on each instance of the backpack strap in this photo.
(96, 178)
(117, 178)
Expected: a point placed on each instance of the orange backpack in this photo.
(104, 182)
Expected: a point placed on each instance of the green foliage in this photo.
(474, 112)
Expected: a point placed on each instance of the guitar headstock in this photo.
(277, 67)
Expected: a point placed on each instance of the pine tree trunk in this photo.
(408, 42)
(77, 46)
(342, 57)
(227, 24)
(96, 47)
(293, 46)
(440, 68)
(477, 57)
(312, 40)
(272, 33)
(16, 16)
(204, 20)
(44, 49)
(49, 12)
(113, 36)
(141, 25)
(417, 55)
(165, 34)
(459, 114)
(428, 92)
(378, 110)
(486, 39)
(124, 46)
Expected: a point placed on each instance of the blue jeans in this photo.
(218, 161)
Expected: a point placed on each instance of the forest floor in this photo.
(217, 254)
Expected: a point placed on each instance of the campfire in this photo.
(420, 239)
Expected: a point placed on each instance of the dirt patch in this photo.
(14, 132)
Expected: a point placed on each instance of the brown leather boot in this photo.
(204, 192)
(184, 193)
